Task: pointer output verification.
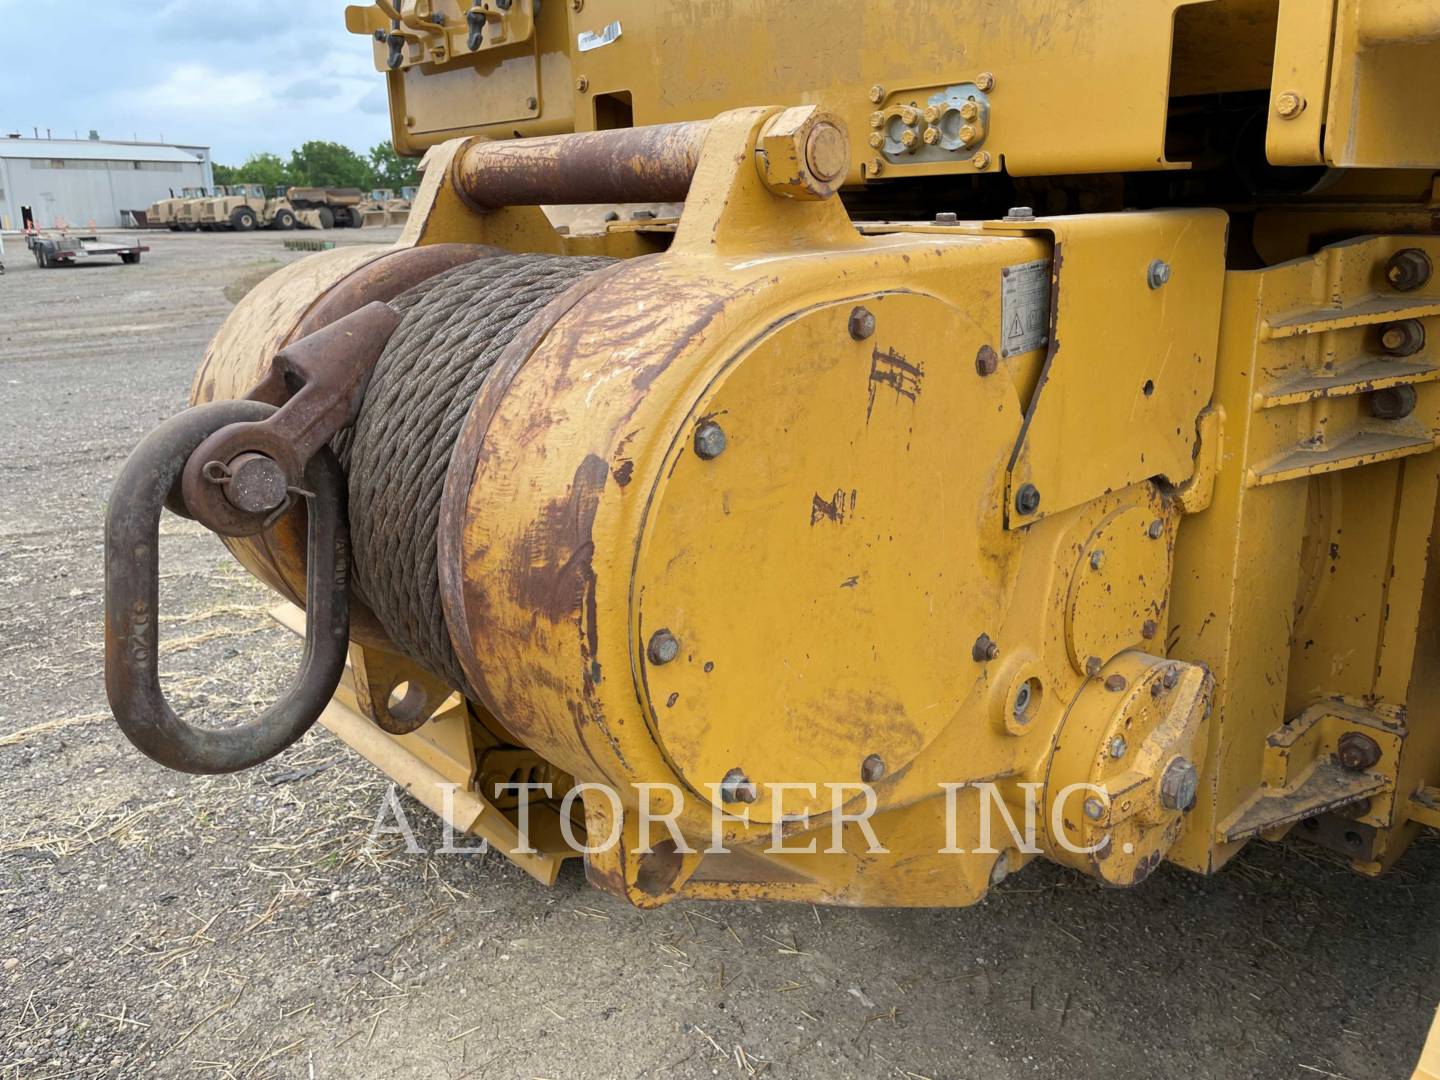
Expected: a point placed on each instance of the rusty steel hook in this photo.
(132, 597)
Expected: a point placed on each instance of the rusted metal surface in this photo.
(386, 278)
(321, 379)
(644, 164)
(132, 600)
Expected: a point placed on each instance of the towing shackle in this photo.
(237, 467)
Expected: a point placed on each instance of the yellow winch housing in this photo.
(1032, 399)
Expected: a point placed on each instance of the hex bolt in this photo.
(1027, 499)
(1149, 628)
(582, 84)
(1289, 104)
(1172, 676)
(947, 217)
(1393, 402)
(1094, 808)
(877, 166)
(1115, 683)
(985, 81)
(1408, 269)
(908, 115)
(862, 323)
(710, 441)
(1156, 529)
(663, 647)
(931, 113)
(908, 139)
(1097, 559)
(1179, 785)
(872, 768)
(877, 119)
(1118, 747)
(736, 787)
(986, 361)
(984, 649)
(969, 111)
(931, 136)
(876, 140)
(981, 160)
(968, 134)
(877, 93)
(1020, 213)
(1023, 699)
(1357, 752)
(1092, 666)
(532, 103)
(1158, 274)
(1403, 338)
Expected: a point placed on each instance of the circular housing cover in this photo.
(826, 572)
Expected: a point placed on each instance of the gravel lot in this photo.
(162, 925)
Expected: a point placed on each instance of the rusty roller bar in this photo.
(644, 164)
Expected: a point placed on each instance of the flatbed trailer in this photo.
(52, 251)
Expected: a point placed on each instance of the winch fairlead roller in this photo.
(860, 533)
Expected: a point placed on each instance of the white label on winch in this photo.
(1024, 307)
(590, 40)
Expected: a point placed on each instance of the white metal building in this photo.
(86, 183)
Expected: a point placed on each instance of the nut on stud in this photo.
(984, 649)
(1157, 275)
(803, 153)
(1027, 499)
(1408, 269)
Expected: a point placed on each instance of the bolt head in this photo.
(908, 139)
(1020, 213)
(1097, 559)
(877, 119)
(947, 217)
(981, 160)
(877, 93)
(1357, 751)
(710, 441)
(984, 649)
(1408, 269)
(931, 113)
(877, 166)
(1024, 697)
(909, 115)
(736, 787)
(663, 648)
(1149, 628)
(862, 323)
(1118, 747)
(985, 81)
(1171, 677)
(967, 134)
(803, 153)
(1289, 105)
(1115, 683)
(931, 136)
(1027, 499)
(1157, 276)
(582, 84)
(876, 140)
(1156, 529)
(969, 111)
(1179, 785)
(872, 768)
(1094, 808)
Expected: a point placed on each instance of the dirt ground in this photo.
(154, 924)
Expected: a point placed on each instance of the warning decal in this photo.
(1024, 307)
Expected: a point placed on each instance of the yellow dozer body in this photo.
(1022, 444)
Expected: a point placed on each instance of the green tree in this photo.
(225, 175)
(267, 169)
(391, 170)
(328, 164)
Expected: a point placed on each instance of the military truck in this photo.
(161, 214)
(246, 207)
(187, 213)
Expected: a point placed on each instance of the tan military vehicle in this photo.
(187, 210)
(327, 208)
(246, 207)
(383, 207)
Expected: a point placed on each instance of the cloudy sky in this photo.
(242, 76)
